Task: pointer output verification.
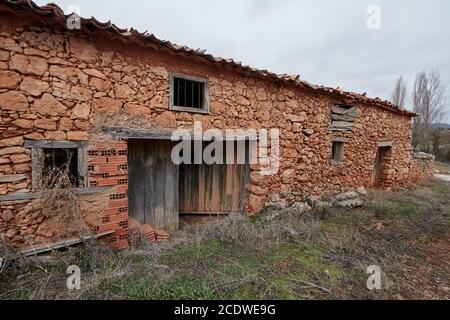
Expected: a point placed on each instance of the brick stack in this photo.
(107, 166)
(149, 233)
(161, 235)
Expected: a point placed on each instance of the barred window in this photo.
(189, 94)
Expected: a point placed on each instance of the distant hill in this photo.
(441, 126)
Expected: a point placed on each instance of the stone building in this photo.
(103, 100)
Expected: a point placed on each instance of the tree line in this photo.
(428, 100)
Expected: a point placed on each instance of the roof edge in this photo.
(52, 10)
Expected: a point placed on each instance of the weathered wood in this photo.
(385, 144)
(139, 134)
(153, 183)
(338, 117)
(61, 244)
(136, 173)
(83, 167)
(36, 168)
(342, 110)
(19, 196)
(214, 189)
(338, 110)
(54, 144)
(37, 156)
(343, 125)
(343, 117)
(339, 139)
(204, 110)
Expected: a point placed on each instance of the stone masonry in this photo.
(60, 85)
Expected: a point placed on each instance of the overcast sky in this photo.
(324, 41)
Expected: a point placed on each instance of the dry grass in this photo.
(60, 201)
(287, 254)
(442, 167)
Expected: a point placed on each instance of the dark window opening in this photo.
(346, 107)
(57, 161)
(337, 151)
(188, 93)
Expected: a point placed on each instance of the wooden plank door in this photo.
(213, 189)
(153, 183)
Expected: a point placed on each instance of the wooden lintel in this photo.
(61, 244)
(385, 144)
(339, 139)
(19, 196)
(54, 144)
(139, 134)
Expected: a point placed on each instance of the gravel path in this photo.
(442, 177)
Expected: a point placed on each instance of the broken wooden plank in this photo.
(342, 125)
(18, 196)
(344, 110)
(385, 144)
(172, 136)
(54, 144)
(339, 139)
(61, 244)
(338, 110)
(338, 117)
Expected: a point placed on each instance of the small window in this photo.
(343, 117)
(188, 94)
(337, 151)
(56, 161)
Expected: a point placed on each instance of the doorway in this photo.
(381, 173)
(159, 191)
(153, 183)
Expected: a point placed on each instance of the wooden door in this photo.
(213, 189)
(153, 183)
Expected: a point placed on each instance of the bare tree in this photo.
(428, 99)
(398, 96)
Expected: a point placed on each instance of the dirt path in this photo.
(442, 177)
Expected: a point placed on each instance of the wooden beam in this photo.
(342, 125)
(168, 134)
(54, 144)
(19, 196)
(61, 244)
(339, 139)
(385, 144)
(338, 117)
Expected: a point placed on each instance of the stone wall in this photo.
(58, 85)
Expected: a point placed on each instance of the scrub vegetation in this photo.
(285, 254)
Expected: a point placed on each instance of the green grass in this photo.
(394, 209)
(177, 288)
(443, 167)
(17, 295)
(328, 262)
(210, 271)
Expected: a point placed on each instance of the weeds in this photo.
(284, 254)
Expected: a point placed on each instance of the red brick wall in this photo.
(108, 167)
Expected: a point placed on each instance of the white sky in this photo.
(325, 41)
